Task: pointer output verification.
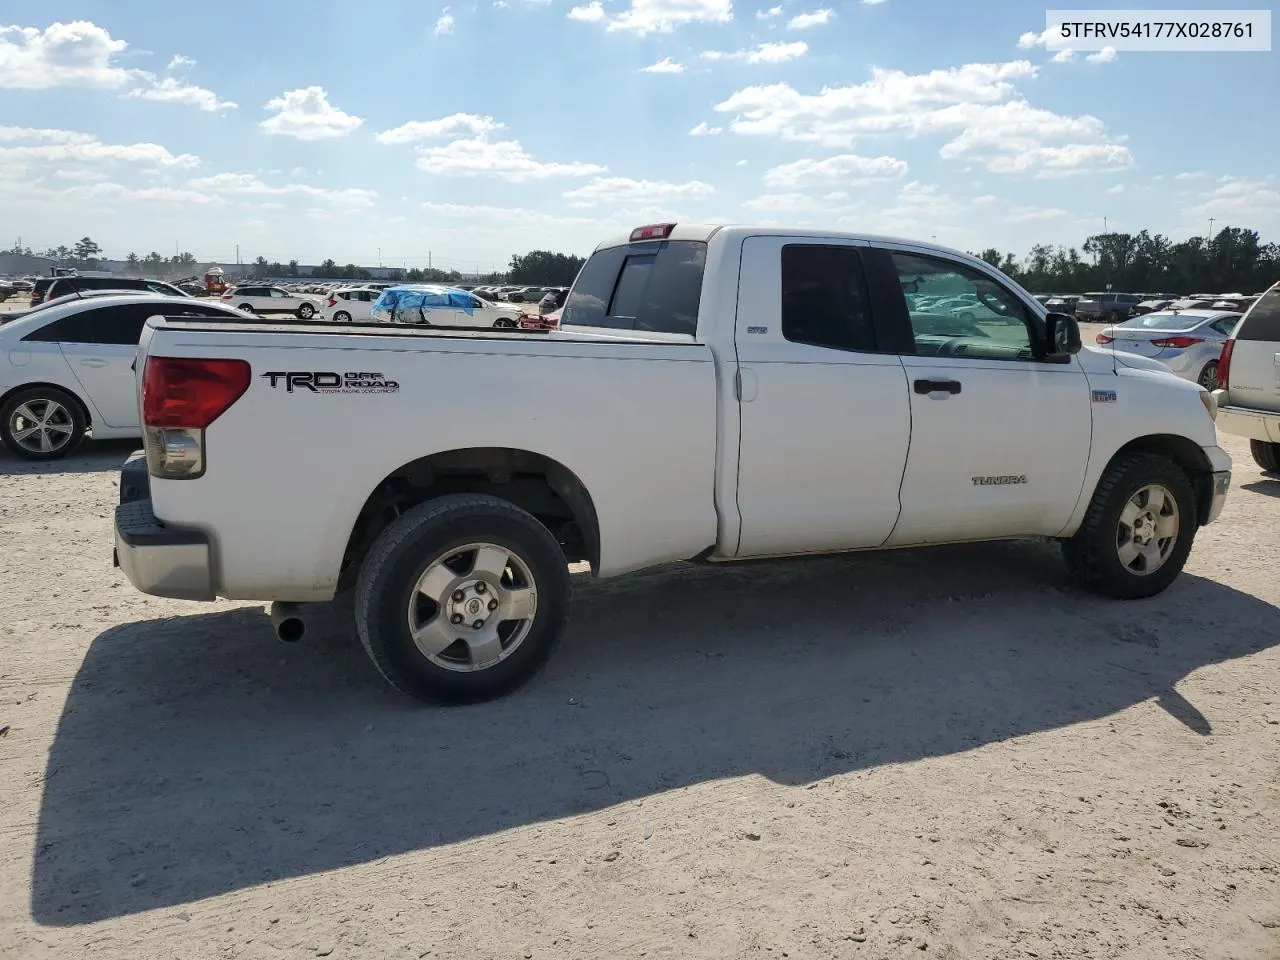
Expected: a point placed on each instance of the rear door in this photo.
(100, 346)
(1254, 378)
(823, 402)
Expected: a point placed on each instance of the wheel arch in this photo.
(85, 410)
(534, 482)
(1183, 451)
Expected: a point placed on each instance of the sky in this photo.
(400, 132)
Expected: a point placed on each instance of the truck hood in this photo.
(1095, 360)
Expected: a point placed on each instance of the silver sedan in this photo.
(1189, 342)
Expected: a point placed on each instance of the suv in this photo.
(1107, 307)
(1249, 375)
(49, 288)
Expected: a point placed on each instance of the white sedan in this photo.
(350, 305)
(67, 368)
(440, 306)
(265, 298)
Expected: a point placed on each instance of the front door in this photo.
(999, 440)
(823, 406)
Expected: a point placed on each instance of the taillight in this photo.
(1103, 338)
(1224, 363)
(181, 396)
(333, 301)
(1177, 343)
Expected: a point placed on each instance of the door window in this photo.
(1224, 325)
(277, 294)
(957, 311)
(108, 325)
(824, 298)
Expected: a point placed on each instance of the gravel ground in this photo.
(945, 753)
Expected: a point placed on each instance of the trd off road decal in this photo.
(327, 381)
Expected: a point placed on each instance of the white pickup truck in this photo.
(714, 393)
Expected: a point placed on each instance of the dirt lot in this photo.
(941, 753)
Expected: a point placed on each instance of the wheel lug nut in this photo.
(459, 596)
(456, 618)
(480, 588)
(493, 604)
(478, 624)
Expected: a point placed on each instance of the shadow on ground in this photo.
(94, 456)
(196, 756)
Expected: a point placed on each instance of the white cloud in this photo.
(444, 23)
(44, 133)
(775, 52)
(655, 16)
(625, 190)
(1035, 214)
(984, 200)
(847, 168)
(1032, 39)
(77, 54)
(1255, 203)
(67, 150)
(1116, 190)
(452, 125)
(1063, 56)
(665, 65)
(873, 3)
(593, 12)
(783, 203)
(976, 104)
(179, 62)
(1105, 55)
(1195, 175)
(740, 163)
(306, 114)
(705, 130)
(247, 185)
(506, 160)
(768, 14)
(804, 21)
(171, 90)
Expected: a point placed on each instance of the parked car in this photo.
(350, 305)
(553, 300)
(685, 410)
(1249, 375)
(435, 305)
(259, 298)
(1150, 306)
(1188, 342)
(76, 373)
(1107, 307)
(50, 288)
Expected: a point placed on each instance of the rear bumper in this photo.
(1243, 422)
(161, 560)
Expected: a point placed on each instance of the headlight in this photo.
(1210, 404)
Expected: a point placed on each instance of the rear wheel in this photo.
(306, 311)
(1138, 530)
(462, 599)
(42, 423)
(1209, 376)
(246, 307)
(1266, 455)
(342, 316)
(504, 323)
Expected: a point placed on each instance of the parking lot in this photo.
(943, 752)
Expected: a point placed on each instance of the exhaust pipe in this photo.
(287, 620)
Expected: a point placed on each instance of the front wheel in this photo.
(504, 323)
(41, 423)
(462, 599)
(1209, 376)
(342, 317)
(246, 307)
(1266, 455)
(1138, 530)
(306, 312)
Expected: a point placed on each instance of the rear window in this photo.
(1262, 322)
(1163, 321)
(643, 286)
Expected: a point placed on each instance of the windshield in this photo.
(1163, 321)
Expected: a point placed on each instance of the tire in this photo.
(306, 312)
(1209, 376)
(1266, 455)
(1093, 555)
(421, 540)
(342, 317)
(505, 323)
(246, 307)
(1112, 317)
(64, 437)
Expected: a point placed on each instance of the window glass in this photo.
(278, 293)
(1262, 322)
(654, 287)
(824, 298)
(106, 325)
(1225, 325)
(1162, 321)
(956, 310)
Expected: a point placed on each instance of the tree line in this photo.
(1233, 261)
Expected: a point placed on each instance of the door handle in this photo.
(92, 362)
(937, 386)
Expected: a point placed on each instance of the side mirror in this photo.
(1062, 336)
